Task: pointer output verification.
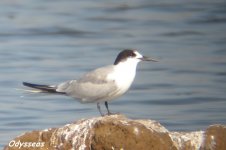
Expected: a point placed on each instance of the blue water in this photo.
(45, 41)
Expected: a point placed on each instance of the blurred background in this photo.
(49, 41)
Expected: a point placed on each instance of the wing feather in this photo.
(93, 86)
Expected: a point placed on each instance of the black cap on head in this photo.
(124, 54)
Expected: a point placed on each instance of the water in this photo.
(52, 41)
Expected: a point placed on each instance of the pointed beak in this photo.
(145, 58)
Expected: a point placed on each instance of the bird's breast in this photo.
(122, 78)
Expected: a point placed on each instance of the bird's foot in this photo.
(110, 113)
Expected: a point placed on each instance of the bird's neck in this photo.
(126, 67)
(124, 74)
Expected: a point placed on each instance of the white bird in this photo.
(100, 85)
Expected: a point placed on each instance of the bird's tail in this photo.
(42, 88)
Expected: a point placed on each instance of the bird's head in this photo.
(129, 55)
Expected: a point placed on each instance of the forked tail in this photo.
(42, 88)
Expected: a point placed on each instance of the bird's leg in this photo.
(106, 104)
(98, 107)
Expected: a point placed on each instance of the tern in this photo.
(100, 85)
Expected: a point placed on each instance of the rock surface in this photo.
(117, 132)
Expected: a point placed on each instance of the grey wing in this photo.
(92, 87)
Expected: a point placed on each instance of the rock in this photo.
(215, 138)
(187, 141)
(117, 132)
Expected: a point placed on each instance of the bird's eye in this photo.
(132, 54)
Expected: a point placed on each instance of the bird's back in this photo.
(94, 86)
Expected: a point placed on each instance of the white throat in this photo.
(129, 65)
(124, 74)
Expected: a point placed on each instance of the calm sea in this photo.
(49, 41)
